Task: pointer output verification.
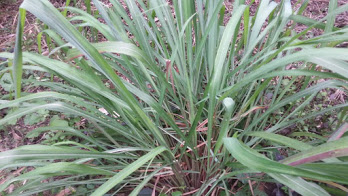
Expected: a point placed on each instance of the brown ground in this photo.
(316, 9)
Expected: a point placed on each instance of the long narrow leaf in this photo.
(18, 61)
(127, 171)
(299, 185)
(254, 160)
(331, 149)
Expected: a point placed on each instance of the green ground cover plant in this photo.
(178, 101)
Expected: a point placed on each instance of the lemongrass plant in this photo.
(185, 98)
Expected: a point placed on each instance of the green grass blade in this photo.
(43, 152)
(65, 11)
(57, 169)
(337, 66)
(18, 61)
(137, 189)
(47, 13)
(299, 185)
(229, 105)
(339, 132)
(331, 149)
(92, 22)
(113, 47)
(219, 65)
(328, 168)
(263, 12)
(292, 143)
(254, 160)
(308, 21)
(127, 171)
(331, 19)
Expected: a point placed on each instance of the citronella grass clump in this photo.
(175, 99)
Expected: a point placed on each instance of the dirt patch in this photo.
(8, 23)
(15, 136)
(8, 18)
(316, 9)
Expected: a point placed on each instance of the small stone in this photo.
(3, 59)
(269, 96)
(145, 192)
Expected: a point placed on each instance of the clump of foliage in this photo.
(178, 101)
